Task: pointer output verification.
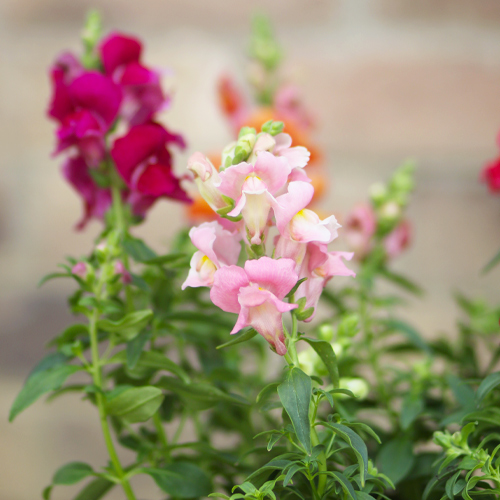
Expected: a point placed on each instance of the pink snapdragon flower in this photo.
(298, 225)
(96, 200)
(217, 247)
(398, 239)
(359, 229)
(120, 269)
(252, 188)
(289, 105)
(256, 294)
(319, 267)
(207, 180)
(145, 164)
(143, 95)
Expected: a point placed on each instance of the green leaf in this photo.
(244, 336)
(52, 276)
(413, 406)
(327, 354)
(39, 383)
(138, 250)
(268, 390)
(344, 482)
(167, 259)
(294, 289)
(402, 281)
(199, 395)
(295, 396)
(492, 263)
(136, 404)
(181, 480)
(291, 472)
(361, 495)
(486, 386)
(155, 360)
(95, 490)
(70, 334)
(260, 475)
(356, 444)
(135, 347)
(72, 473)
(129, 326)
(396, 459)
(413, 336)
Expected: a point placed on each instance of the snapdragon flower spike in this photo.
(252, 188)
(217, 247)
(256, 294)
(319, 267)
(145, 164)
(143, 95)
(207, 180)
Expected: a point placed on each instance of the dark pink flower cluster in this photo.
(89, 105)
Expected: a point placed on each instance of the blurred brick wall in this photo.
(388, 80)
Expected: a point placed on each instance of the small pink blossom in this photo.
(80, 269)
(297, 156)
(256, 294)
(252, 187)
(398, 239)
(122, 270)
(319, 267)
(207, 180)
(288, 104)
(217, 247)
(359, 229)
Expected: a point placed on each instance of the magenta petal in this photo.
(97, 93)
(227, 283)
(277, 276)
(141, 142)
(118, 49)
(156, 180)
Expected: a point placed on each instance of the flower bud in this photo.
(356, 385)
(325, 332)
(378, 193)
(207, 180)
(121, 269)
(80, 269)
(390, 212)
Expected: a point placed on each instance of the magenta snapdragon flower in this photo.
(256, 294)
(144, 162)
(141, 86)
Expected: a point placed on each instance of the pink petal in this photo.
(233, 178)
(277, 276)
(299, 195)
(201, 272)
(227, 283)
(117, 50)
(263, 311)
(272, 170)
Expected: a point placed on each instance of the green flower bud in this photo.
(91, 34)
(358, 386)
(378, 193)
(326, 332)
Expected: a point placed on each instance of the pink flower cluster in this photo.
(268, 191)
(89, 106)
(360, 228)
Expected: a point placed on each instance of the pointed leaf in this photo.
(295, 395)
(72, 473)
(239, 338)
(327, 354)
(129, 326)
(396, 459)
(39, 383)
(487, 385)
(136, 404)
(95, 490)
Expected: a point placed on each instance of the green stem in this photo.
(97, 379)
(292, 359)
(162, 435)
(321, 462)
